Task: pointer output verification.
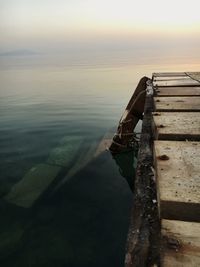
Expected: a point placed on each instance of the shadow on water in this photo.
(83, 224)
(127, 164)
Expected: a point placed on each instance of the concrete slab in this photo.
(32, 185)
(66, 152)
(180, 244)
(178, 180)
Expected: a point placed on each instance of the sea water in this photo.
(61, 205)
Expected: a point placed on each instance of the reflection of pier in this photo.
(165, 223)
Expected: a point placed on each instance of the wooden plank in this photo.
(178, 91)
(177, 103)
(178, 180)
(180, 82)
(180, 244)
(176, 125)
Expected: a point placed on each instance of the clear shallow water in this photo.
(85, 221)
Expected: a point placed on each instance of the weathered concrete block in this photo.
(64, 154)
(180, 244)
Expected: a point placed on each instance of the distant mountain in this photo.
(19, 52)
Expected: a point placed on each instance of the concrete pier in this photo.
(165, 224)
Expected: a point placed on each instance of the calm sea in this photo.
(63, 203)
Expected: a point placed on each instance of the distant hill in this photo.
(19, 52)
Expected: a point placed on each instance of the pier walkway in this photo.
(165, 224)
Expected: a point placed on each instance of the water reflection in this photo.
(127, 163)
(84, 221)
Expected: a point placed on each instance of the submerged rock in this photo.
(32, 185)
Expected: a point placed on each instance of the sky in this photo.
(57, 24)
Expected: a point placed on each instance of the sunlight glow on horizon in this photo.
(77, 19)
(94, 15)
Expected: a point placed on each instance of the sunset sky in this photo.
(40, 23)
